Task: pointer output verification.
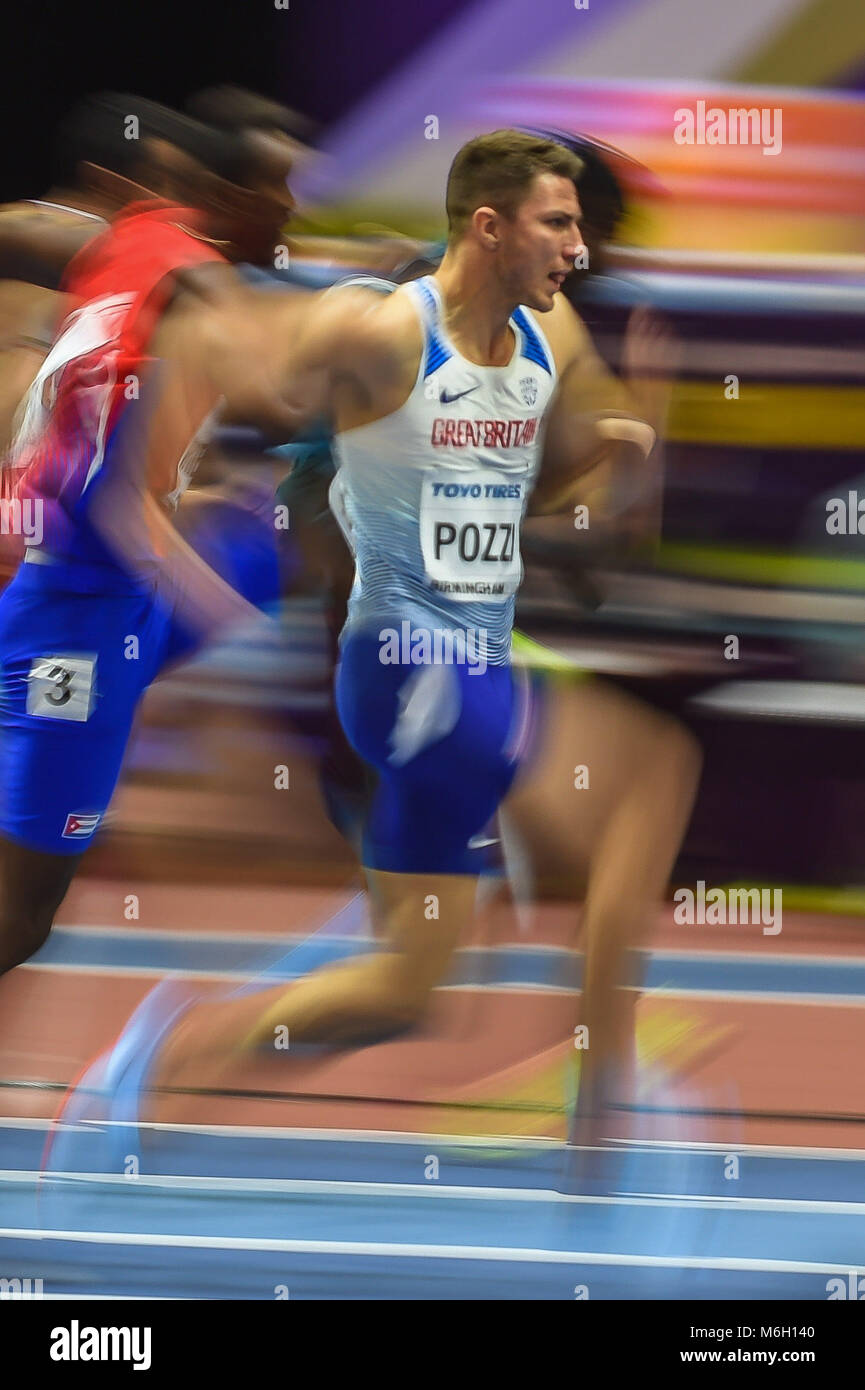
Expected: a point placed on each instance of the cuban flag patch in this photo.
(78, 827)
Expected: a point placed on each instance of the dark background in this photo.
(320, 56)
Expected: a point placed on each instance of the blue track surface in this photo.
(254, 1214)
(526, 967)
(238, 1214)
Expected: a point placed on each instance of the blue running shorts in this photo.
(445, 741)
(79, 645)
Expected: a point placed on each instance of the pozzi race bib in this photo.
(470, 534)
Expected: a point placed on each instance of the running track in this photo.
(321, 1184)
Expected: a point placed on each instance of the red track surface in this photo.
(791, 1057)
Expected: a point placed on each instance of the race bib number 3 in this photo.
(470, 534)
(61, 687)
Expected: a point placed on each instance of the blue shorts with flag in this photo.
(79, 645)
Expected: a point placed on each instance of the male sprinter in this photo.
(107, 445)
(39, 237)
(442, 394)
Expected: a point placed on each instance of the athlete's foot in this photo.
(210, 1038)
(590, 1164)
(591, 1161)
(100, 1115)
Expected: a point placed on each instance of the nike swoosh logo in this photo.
(446, 397)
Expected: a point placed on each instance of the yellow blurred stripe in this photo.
(818, 43)
(763, 567)
(766, 414)
(526, 651)
(539, 1096)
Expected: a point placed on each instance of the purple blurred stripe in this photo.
(852, 79)
(488, 43)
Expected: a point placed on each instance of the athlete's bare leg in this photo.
(618, 838)
(420, 919)
(32, 887)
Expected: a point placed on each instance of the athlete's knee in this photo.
(21, 935)
(32, 887)
(373, 1016)
(399, 992)
(680, 753)
(400, 1015)
(668, 775)
(406, 1000)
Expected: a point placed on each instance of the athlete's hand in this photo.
(651, 358)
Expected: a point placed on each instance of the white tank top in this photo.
(431, 496)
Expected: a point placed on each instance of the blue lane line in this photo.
(506, 966)
(142, 1271)
(406, 1218)
(650, 1229)
(192, 1154)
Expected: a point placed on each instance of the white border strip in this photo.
(463, 1141)
(400, 1250)
(744, 995)
(346, 1188)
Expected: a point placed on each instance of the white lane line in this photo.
(512, 1254)
(291, 940)
(74, 1296)
(324, 1187)
(151, 935)
(743, 995)
(328, 1187)
(759, 1150)
(752, 957)
(467, 1142)
(359, 1136)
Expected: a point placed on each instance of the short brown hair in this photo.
(497, 170)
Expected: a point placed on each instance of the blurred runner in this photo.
(442, 389)
(39, 237)
(318, 561)
(610, 840)
(108, 442)
(613, 849)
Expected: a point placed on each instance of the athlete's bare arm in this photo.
(352, 355)
(218, 351)
(180, 390)
(29, 317)
(220, 331)
(380, 250)
(37, 245)
(211, 352)
(593, 424)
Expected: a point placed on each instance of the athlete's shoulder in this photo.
(379, 302)
(39, 214)
(37, 243)
(145, 248)
(390, 340)
(357, 329)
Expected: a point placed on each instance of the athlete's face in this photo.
(538, 245)
(267, 204)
